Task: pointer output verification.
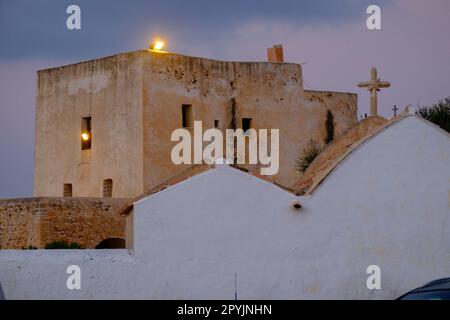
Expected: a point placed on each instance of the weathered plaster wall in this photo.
(387, 205)
(39, 221)
(110, 91)
(342, 105)
(135, 102)
(271, 94)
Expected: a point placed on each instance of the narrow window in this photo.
(246, 124)
(107, 188)
(216, 123)
(188, 120)
(67, 190)
(86, 133)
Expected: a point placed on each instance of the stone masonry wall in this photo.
(39, 221)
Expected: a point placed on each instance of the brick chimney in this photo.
(275, 54)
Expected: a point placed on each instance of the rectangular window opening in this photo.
(67, 190)
(246, 124)
(188, 119)
(107, 188)
(216, 123)
(86, 133)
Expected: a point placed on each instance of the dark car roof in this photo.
(440, 284)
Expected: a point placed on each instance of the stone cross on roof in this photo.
(374, 85)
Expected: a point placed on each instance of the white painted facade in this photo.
(386, 204)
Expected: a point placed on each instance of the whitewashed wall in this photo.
(387, 204)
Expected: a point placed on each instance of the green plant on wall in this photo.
(29, 248)
(62, 244)
(308, 155)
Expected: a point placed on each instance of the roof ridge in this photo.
(174, 179)
(335, 152)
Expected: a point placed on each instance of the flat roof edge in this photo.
(146, 51)
(331, 91)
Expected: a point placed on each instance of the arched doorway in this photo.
(111, 243)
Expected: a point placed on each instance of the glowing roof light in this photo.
(158, 45)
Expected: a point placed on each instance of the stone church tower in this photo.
(103, 126)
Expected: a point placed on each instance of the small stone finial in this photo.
(409, 109)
